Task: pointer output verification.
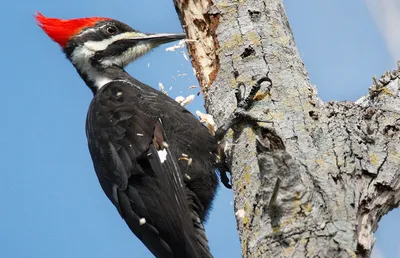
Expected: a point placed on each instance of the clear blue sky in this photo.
(51, 205)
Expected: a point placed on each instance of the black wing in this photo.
(128, 147)
(187, 136)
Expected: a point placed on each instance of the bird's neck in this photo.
(96, 77)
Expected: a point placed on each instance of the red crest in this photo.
(61, 31)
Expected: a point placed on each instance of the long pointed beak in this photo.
(159, 39)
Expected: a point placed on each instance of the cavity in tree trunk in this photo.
(315, 178)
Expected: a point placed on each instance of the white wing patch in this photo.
(163, 155)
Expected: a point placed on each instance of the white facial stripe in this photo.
(102, 45)
(80, 58)
(128, 56)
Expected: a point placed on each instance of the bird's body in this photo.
(154, 160)
(121, 125)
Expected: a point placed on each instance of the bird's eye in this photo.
(111, 30)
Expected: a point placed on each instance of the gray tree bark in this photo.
(316, 179)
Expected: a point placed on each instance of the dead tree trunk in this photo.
(338, 162)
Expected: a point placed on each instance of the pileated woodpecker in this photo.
(154, 160)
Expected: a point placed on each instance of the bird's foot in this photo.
(239, 115)
(241, 112)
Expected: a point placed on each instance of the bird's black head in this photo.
(95, 44)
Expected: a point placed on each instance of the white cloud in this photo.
(377, 253)
(387, 15)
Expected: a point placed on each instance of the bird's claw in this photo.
(240, 114)
(243, 105)
(246, 103)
